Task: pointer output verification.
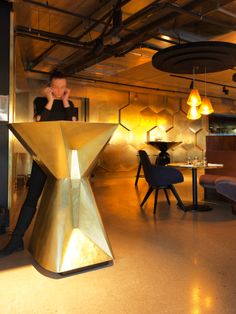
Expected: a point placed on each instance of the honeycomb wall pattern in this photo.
(142, 117)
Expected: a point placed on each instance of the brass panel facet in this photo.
(164, 120)
(68, 232)
(195, 125)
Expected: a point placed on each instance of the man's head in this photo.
(58, 84)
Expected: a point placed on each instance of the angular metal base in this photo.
(68, 234)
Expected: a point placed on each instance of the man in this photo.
(55, 106)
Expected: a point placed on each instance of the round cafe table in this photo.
(195, 206)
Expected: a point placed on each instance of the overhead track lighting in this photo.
(225, 90)
(191, 85)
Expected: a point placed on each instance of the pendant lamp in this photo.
(194, 98)
(206, 106)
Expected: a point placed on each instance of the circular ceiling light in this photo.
(209, 56)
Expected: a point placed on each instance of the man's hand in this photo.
(65, 98)
(50, 97)
(49, 94)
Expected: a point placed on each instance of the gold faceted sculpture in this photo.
(68, 233)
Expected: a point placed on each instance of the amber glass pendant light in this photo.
(194, 98)
(206, 106)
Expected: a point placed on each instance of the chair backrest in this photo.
(157, 175)
(147, 166)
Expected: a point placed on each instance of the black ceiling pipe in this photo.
(161, 20)
(48, 40)
(128, 41)
(38, 59)
(130, 20)
(22, 30)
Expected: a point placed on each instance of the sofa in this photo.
(220, 182)
(224, 185)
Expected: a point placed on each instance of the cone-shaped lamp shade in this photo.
(206, 106)
(194, 98)
(193, 113)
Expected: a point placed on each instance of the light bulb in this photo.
(194, 98)
(193, 113)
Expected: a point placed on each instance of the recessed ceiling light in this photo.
(165, 37)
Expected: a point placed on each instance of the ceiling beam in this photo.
(200, 16)
(129, 41)
(45, 5)
(49, 50)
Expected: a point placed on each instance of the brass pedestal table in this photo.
(195, 206)
(68, 234)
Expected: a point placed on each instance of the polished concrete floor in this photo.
(174, 263)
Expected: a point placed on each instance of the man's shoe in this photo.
(14, 245)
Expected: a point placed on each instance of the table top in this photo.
(162, 145)
(190, 166)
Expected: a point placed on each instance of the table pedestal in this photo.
(195, 205)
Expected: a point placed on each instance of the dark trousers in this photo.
(36, 183)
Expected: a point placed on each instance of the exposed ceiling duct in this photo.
(84, 37)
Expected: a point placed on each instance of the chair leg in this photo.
(180, 203)
(167, 196)
(155, 202)
(147, 196)
(138, 173)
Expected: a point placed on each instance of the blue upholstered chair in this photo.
(160, 177)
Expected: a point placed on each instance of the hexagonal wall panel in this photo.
(178, 154)
(173, 104)
(130, 116)
(120, 136)
(180, 120)
(164, 120)
(119, 158)
(184, 105)
(157, 133)
(169, 103)
(182, 135)
(138, 137)
(195, 125)
(201, 139)
(148, 118)
(100, 104)
(196, 151)
(188, 139)
(155, 102)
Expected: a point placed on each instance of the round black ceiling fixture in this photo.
(209, 56)
(234, 77)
